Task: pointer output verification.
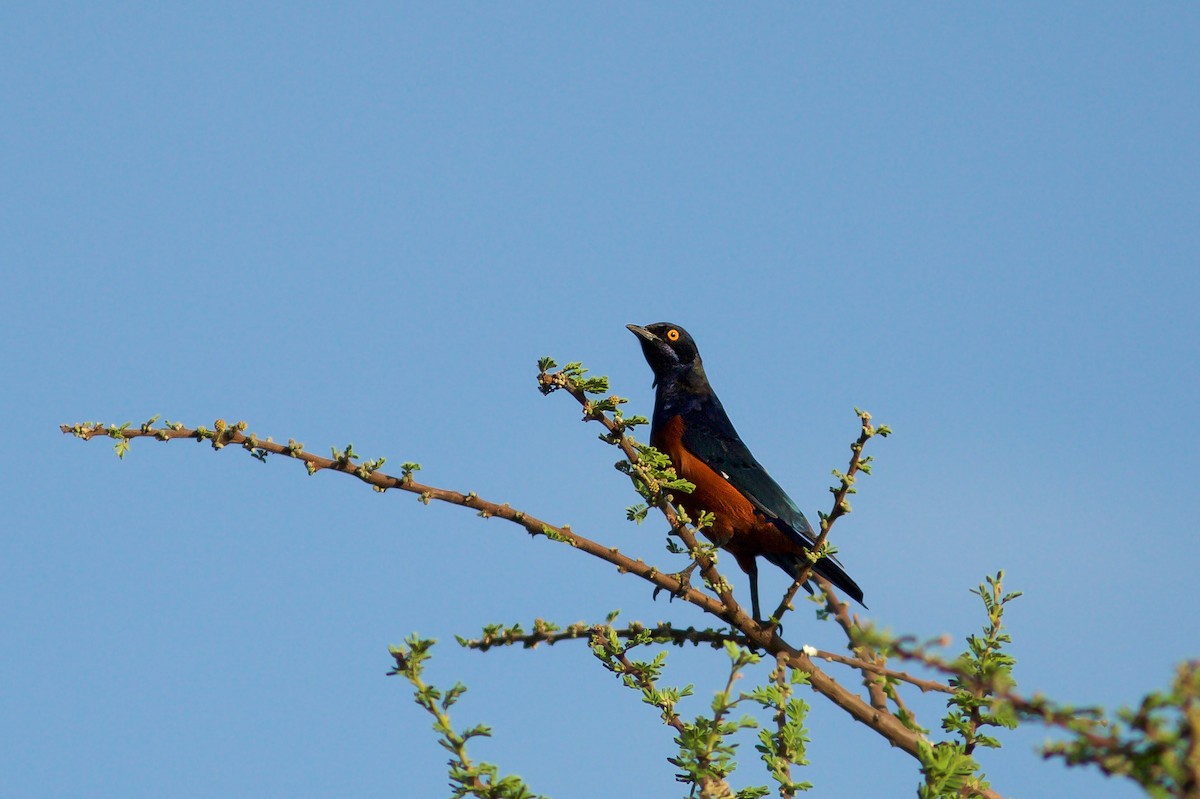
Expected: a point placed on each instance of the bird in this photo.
(753, 516)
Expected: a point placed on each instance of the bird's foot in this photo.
(685, 582)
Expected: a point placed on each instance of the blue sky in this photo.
(365, 224)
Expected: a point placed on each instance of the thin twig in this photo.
(381, 480)
(1035, 706)
(840, 508)
(647, 685)
(864, 654)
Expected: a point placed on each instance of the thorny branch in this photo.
(550, 634)
(865, 654)
(664, 633)
(765, 638)
(553, 381)
(223, 435)
(874, 715)
(1140, 751)
(841, 505)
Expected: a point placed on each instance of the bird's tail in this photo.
(826, 567)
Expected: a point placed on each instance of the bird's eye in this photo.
(672, 335)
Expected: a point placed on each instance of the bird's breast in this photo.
(738, 526)
(714, 493)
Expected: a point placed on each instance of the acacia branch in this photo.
(223, 435)
(667, 634)
(543, 633)
(646, 684)
(841, 506)
(554, 381)
(864, 653)
(884, 723)
(1073, 720)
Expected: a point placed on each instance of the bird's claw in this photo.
(685, 583)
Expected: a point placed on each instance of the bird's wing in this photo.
(710, 436)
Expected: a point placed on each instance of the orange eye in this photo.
(672, 335)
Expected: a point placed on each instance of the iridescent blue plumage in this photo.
(691, 426)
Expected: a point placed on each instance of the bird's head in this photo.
(671, 353)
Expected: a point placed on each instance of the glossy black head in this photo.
(670, 352)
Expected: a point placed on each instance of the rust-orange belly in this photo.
(738, 527)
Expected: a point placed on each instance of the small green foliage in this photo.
(367, 468)
(122, 445)
(251, 446)
(706, 749)
(652, 481)
(601, 406)
(639, 675)
(637, 513)
(343, 459)
(980, 674)
(870, 430)
(826, 550)
(502, 635)
(1156, 744)
(950, 773)
(555, 535)
(574, 374)
(571, 377)
(467, 778)
(719, 587)
(406, 471)
(753, 792)
(984, 670)
(786, 744)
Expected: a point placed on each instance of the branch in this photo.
(863, 665)
(865, 654)
(224, 435)
(885, 724)
(569, 380)
(841, 505)
(547, 633)
(467, 778)
(664, 633)
(1034, 707)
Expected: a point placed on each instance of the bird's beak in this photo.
(642, 333)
